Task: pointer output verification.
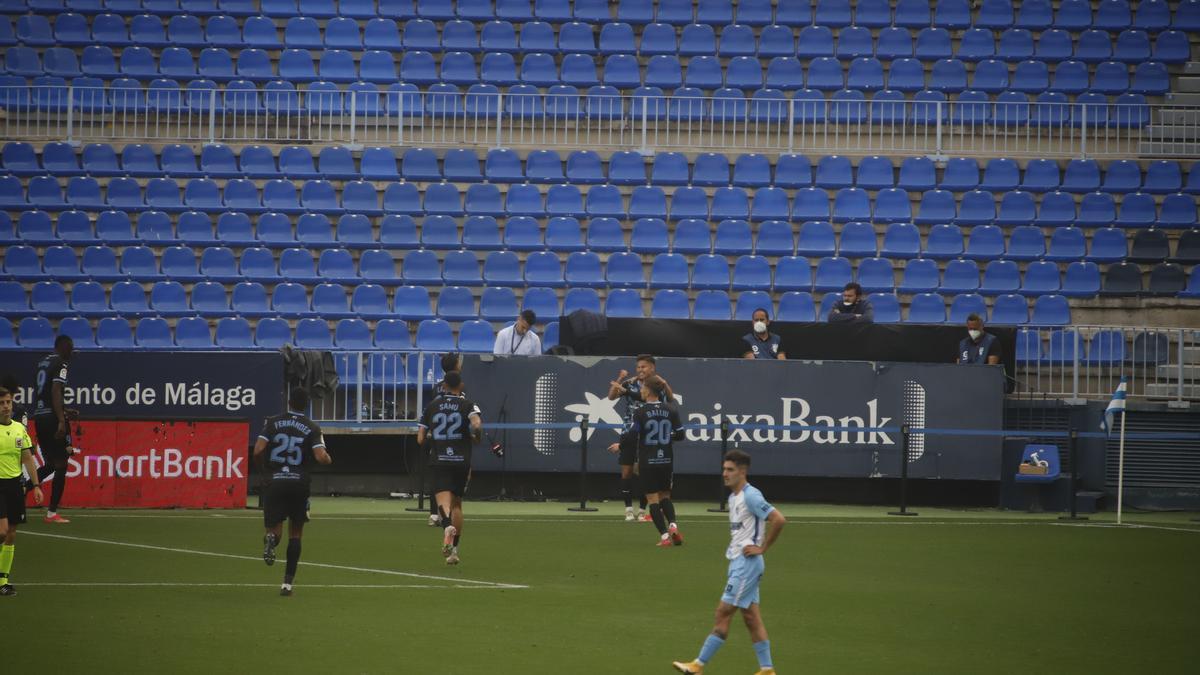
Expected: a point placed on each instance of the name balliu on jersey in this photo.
(655, 426)
(290, 439)
(447, 421)
(50, 369)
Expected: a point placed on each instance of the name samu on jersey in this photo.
(455, 448)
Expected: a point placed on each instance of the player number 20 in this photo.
(658, 432)
(287, 450)
(447, 427)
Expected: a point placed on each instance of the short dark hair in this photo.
(852, 286)
(738, 457)
(63, 339)
(298, 399)
(974, 317)
(452, 380)
(760, 309)
(450, 362)
(529, 316)
(648, 358)
(4, 392)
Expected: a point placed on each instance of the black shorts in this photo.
(53, 449)
(450, 478)
(12, 500)
(657, 477)
(627, 456)
(285, 500)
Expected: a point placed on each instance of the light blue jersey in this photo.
(748, 511)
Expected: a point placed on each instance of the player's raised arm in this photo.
(617, 386)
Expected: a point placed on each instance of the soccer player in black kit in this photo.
(655, 426)
(51, 419)
(453, 424)
(294, 442)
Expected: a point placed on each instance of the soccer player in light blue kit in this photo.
(754, 526)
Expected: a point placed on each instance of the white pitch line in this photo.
(181, 584)
(234, 556)
(1131, 526)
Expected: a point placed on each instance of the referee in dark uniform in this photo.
(295, 442)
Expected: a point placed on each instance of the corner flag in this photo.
(1117, 403)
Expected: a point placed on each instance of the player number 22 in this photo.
(286, 450)
(447, 427)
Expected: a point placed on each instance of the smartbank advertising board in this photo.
(158, 464)
(847, 394)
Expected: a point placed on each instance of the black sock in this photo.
(445, 517)
(433, 508)
(668, 510)
(627, 491)
(58, 483)
(656, 513)
(293, 560)
(456, 538)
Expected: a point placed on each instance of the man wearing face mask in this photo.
(760, 342)
(978, 346)
(853, 307)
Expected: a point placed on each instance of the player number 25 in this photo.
(286, 450)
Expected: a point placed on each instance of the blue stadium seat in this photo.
(670, 304)
(624, 303)
(854, 42)
(876, 275)
(1067, 244)
(712, 305)
(461, 268)
(901, 241)
(748, 302)
(247, 299)
(583, 268)
(986, 242)
(412, 303)
(329, 301)
(936, 207)
(1170, 47)
(1048, 310)
(77, 327)
(1152, 15)
(605, 201)
(815, 42)
(1108, 245)
(1082, 280)
(648, 202)
(455, 303)
(927, 308)
(116, 333)
(586, 299)
(1010, 309)
(1057, 209)
(543, 302)
(498, 304)
(1133, 46)
(1137, 210)
(857, 240)
(920, 276)
(751, 272)
(669, 270)
(832, 274)
(542, 268)
(1178, 210)
(1112, 15)
(1041, 277)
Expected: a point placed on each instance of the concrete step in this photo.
(1170, 116)
(1182, 99)
(1188, 84)
(1170, 371)
(1170, 391)
(1190, 68)
(1183, 148)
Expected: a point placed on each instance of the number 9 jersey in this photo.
(290, 439)
(447, 421)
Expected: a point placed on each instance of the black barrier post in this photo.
(1072, 448)
(420, 484)
(583, 469)
(903, 475)
(724, 448)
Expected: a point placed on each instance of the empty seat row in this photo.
(976, 207)
(1102, 348)
(622, 71)
(582, 269)
(929, 44)
(585, 167)
(1112, 15)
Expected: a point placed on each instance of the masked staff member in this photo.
(979, 346)
(761, 343)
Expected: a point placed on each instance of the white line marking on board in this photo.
(181, 584)
(1131, 526)
(233, 556)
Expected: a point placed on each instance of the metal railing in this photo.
(1081, 362)
(1075, 363)
(777, 123)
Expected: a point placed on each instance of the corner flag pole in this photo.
(1121, 470)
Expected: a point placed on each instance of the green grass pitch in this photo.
(847, 590)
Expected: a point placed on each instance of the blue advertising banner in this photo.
(164, 385)
(836, 397)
